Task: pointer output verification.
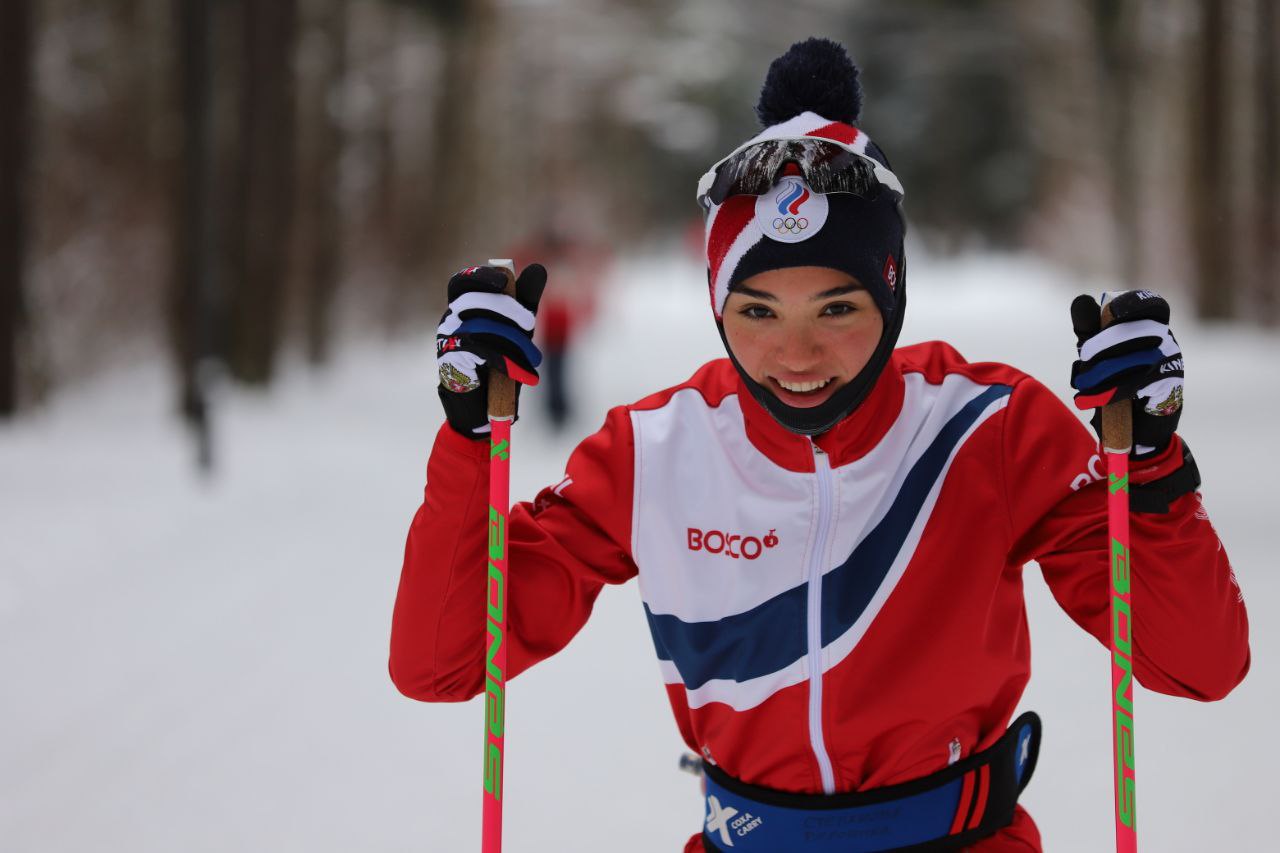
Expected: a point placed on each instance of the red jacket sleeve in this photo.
(1191, 632)
(562, 549)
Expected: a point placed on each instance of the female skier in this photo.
(839, 643)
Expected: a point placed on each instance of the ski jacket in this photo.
(830, 614)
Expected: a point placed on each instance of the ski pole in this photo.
(1117, 439)
(502, 411)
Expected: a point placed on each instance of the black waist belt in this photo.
(947, 810)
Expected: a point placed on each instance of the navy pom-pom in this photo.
(814, 75)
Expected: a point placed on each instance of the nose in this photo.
(798, 350)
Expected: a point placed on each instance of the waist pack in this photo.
(947, 810)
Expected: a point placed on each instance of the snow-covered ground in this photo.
(200, 666)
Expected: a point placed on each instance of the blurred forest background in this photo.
(227, 183)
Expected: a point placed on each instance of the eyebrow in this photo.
(766, 296)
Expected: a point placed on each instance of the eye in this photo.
(838, 309)
(756, 312)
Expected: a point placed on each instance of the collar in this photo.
(847, 441)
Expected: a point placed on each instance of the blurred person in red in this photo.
(577, 266)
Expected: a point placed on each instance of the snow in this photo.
(194, 666)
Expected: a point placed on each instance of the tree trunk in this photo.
(1209, 171)
(15, 102)
(1115, 34)
(192, 305)
(1266, 215)
(460, 144)
(266, 181)
(321, 234)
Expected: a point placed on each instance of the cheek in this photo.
(856, 343)
(746, 341)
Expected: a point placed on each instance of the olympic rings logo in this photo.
(791, 224)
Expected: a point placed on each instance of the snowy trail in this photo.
(202, 667)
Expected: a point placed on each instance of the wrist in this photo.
(1153, 465)
(1154, 487)
(466, 413)
(450, 439)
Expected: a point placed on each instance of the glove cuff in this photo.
(450, 440)
(1155, 496)
(469, 412)
(466, 412)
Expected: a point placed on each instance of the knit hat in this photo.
(792, 226)
(812, 93)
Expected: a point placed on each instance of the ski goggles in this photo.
(826, 166)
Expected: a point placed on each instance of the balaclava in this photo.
(812, 91)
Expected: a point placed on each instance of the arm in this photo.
(1190, 625)
(563, 548)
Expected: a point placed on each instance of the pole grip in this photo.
(502, 388)
(1117, 416)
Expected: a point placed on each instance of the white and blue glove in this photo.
(1135, 358)
(485, 329)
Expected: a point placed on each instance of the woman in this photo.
(828, 532)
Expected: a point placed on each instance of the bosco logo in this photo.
(731, 544)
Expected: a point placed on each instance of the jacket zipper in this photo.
(822, 467)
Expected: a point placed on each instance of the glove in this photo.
(485, 328)
(1135, 358)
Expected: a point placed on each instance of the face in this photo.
(802, 332)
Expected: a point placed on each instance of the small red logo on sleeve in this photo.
(891, 272)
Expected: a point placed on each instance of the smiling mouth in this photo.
(803, 387)
(803, 394)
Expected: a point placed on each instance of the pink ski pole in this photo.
(502, 411)
(1117, 438)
